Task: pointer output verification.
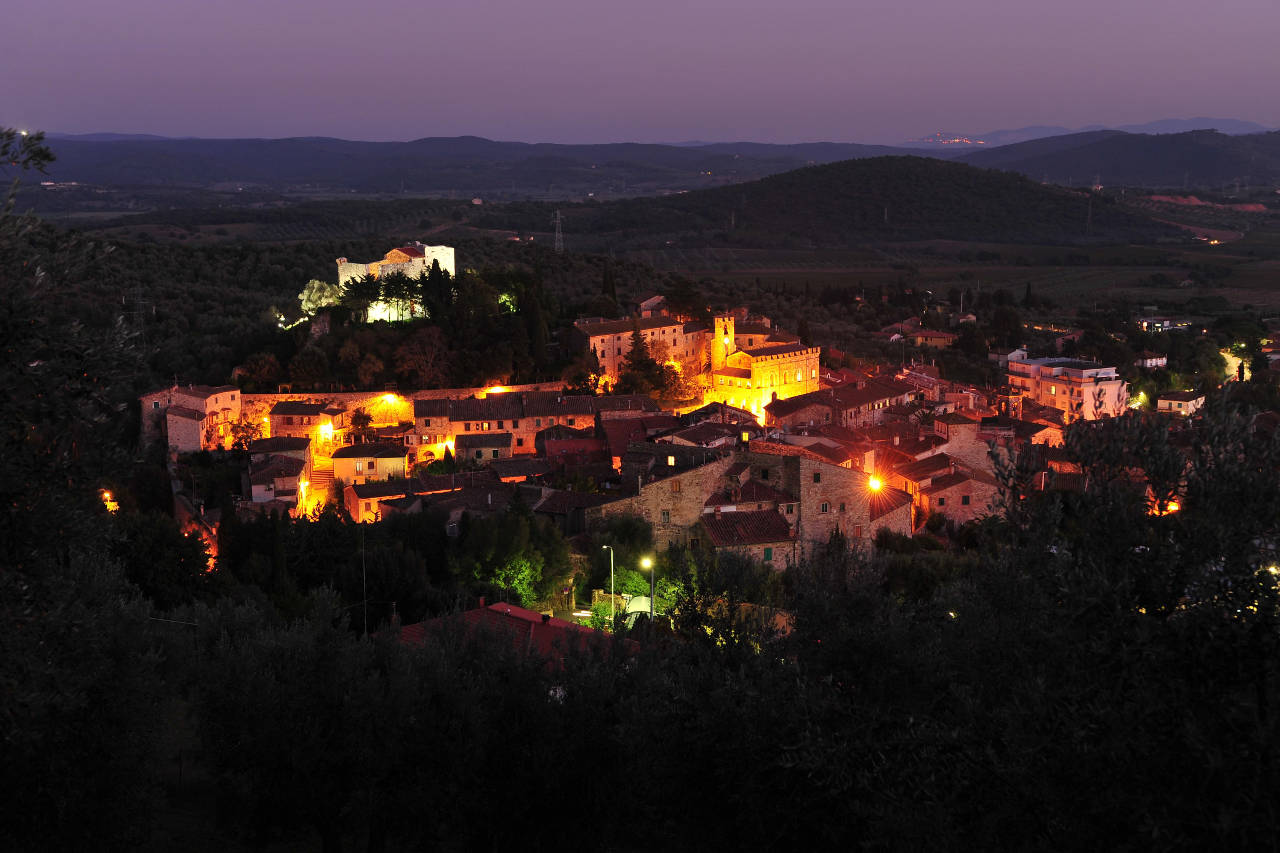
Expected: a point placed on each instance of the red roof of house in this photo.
(758, 527)
(529, 632)
(885, 501)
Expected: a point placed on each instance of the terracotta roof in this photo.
(279, 444)
(708, 431)
(752, 491)
(370, 451)
(780, 349)
(384, 489)
(492, 408)
(297, 407)
(560, 502)
(184, 412)
(924, 468)
(277, 466)
(529, 632)
(757, 527)
(204, 391)
(521, 466)
(478, 440)
(627, 325)
(784, 408)
(1182, 396)
(555, 404)
(431, 408)
(885, 501)
(411, 251)
(625, 403)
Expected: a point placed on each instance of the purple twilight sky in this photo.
(655, 71)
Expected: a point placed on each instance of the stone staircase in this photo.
(321, 478)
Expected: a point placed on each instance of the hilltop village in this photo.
(774, 455)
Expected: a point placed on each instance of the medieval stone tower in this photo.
(722, 345)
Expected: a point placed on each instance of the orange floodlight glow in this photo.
(875, 484)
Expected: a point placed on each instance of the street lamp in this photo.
(612, 600)
(647, 563)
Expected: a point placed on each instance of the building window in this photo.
(842, 507)
(693, 543)
(791, 509)
(537, 422)
(817, 476)
(368, 506)
(519, 442)
(675, 487)
(964, 500)
(373, 464)
(288, 421)
(479, 454)
(768, 555)
(826, 507)
(515, 425)
(764, 473)
(466, 427)
(666, 516)
(570, 422)
(499, 424)
(942, 501)
(495, 454)
(671, 462)
(359, 467)
(155, 404)
(484, 426)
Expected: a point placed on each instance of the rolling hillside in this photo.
(462, 166)
(848, 204)
(1202, 158)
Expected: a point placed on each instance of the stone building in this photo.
(191, 417)
(412, 260)
(814, 497)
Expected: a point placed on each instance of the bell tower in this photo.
(722, 344)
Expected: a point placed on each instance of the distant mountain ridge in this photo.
(1201, 158)
(1229, 126)
(467, 165)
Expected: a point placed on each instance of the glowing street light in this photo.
(875, 484)
(647, 564)
(612, 615)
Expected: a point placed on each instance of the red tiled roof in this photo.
(772, 349)
(529, 632)
(370, 451)
(297, 407)
(885, 501)
(626, 326)
(757, 527)
(184, 412)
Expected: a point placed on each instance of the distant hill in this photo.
(1193, 159)
(849, 204)
(1231, 126)
(464, 166)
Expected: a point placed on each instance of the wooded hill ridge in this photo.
(1198, 158)
(847, 204)
(440, 165)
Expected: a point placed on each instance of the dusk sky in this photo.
(655, 71)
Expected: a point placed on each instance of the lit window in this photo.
(671, 462)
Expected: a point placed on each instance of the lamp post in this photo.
(647, 563)
(612, 616)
